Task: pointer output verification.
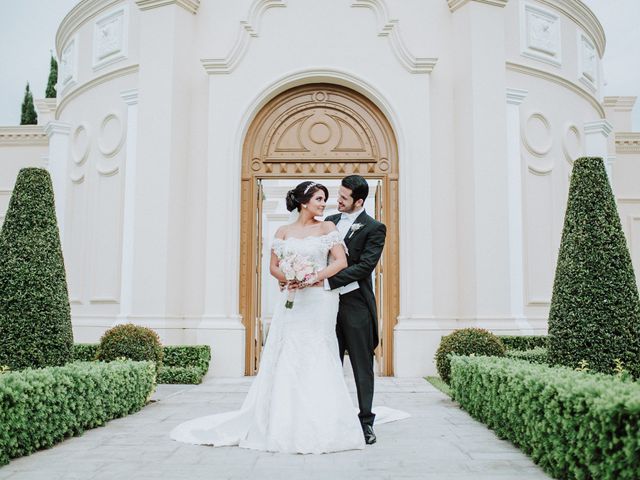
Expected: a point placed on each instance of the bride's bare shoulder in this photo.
(281, 232)
(328, 227)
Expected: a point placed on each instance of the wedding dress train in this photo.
(299, 401)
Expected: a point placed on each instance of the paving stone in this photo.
(439, 441)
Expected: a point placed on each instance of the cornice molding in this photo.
(25, 135)
(390, 28)
(577, 11)
(620, 104)
(190, 6)
(45, 105)
(78, 16)
(516, 96)
(249, 28)
(601, 126)
(121, 72)
(535, 72)
(627, 142)
(456, 4)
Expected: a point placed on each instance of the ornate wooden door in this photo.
(320, 131)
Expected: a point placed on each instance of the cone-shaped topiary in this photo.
(595, 310)
(130, 341)
(467, 341)
(28, 114)
(35, 319)
(52, 80)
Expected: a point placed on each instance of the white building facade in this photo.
(179, 122)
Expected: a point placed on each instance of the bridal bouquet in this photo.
(296, 268)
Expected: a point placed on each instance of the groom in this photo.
(357, 324)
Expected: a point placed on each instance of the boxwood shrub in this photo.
(573, 424)
(466, 341)
(595, 308)
(535, 355)
(84, 352)
(523, 342)
(39, 408)
(35, 318)
(181, 364)
(130, 341)
(184, 364)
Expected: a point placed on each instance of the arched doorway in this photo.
(319, 131)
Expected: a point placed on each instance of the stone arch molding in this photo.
(318, 129)
(250, 27)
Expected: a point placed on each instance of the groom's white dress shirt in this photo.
(344, 226)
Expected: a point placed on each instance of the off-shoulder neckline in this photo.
(308, 236)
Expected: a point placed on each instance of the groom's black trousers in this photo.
(354, 329)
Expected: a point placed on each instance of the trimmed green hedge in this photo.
(84, 352)
(39, 408)
(523, 342)
(573, 424)
(181, 363)
(184, 364)
(466, 341)
(130, 341)
(35, 317)
(595, 308)
(535, 355)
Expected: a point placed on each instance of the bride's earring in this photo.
(304, 206)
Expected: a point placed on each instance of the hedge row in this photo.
(535, 355)
(185, 364)
(181, 364)
(523, 342)
(39, 408)
(574, 424)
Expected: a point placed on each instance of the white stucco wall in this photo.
(488, 110)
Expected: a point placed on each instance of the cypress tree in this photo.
(595, 309)
(53, 79)
(29, 116)
(35, 318)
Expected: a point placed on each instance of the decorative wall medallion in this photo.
(110, 141)
(587, 62)
(540, 34)
(572, 143)
(68, 65)
(80, 145)
(111, 136)
(110, 38)
(538, 140)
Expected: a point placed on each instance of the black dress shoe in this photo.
(369, 434)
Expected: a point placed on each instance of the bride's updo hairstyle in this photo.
(303, 193)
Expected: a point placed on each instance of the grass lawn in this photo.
(439, 384)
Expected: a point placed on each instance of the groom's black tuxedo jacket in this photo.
(365, 248)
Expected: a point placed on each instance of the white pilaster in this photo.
(515, 97)
(482, 162)
(58, 133)
(130, 97)
(596, 134)
(609, 162)
(46, 108)
(221, 308)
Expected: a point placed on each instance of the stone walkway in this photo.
(439, 441)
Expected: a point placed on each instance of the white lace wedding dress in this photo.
(298, 402)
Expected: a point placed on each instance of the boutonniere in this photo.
(354, 228)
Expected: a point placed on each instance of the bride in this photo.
(299, 401)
